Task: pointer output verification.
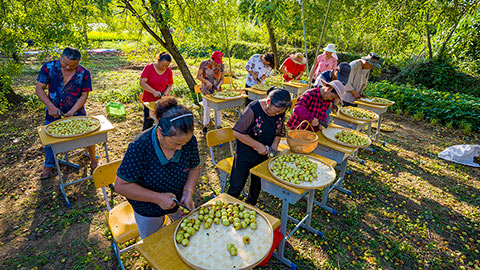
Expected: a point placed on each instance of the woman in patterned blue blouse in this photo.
(160, 164)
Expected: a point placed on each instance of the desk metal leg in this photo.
(106, 151)
(338, 185)
(68, 163)
(216, 117)
(62, 185)
(279, 254)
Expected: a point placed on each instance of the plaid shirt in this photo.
(310, 105)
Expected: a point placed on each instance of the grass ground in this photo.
(408, 210)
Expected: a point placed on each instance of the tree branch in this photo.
(129, 6)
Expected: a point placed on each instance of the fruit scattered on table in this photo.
(378, 100)
(228, 94)
(359, 113)
(261, 86)
(229, 213)
(352, 137)
(295, 168)
(73, 126)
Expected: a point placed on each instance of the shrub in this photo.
(439, 74)
(109, 36)
(449, 108)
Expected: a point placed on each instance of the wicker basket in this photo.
(302, 141)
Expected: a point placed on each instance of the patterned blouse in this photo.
(258, 68)
(260, 126)
(211, 74)
(64, 96)
(324, 64)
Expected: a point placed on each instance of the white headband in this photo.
(180, 116)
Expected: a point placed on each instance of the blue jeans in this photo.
(328, 116)
(49, 157)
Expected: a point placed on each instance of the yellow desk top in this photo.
(150, 105)
(263, 172)
(159, 250)
(219, 100)
(256, 91)
(105, 126)
(342, 116)
(296, 84)
(359, 102)
(325, 142)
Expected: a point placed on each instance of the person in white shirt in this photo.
(259, 67)
(357, 81)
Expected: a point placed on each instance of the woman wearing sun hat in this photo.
(325, 61)
(210, 73)
(293, 67)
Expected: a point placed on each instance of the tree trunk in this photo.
(10, 95)
(429, 43)
(167, 41)
(182, 65)
(273, 42)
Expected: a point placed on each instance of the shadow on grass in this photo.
(432, 174)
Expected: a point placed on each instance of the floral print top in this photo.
(213, 75)
(258, 68)
(261, 127)
(64, 96)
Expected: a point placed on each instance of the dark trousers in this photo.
(238, 178)
(147, 120)
(247, 100)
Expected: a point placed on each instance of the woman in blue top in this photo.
(258, 130)
(160, 164)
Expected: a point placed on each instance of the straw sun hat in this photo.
(298, 58)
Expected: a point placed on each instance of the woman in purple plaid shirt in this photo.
(313, 105)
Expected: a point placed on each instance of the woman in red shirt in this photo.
(156, 81)
(293, 67)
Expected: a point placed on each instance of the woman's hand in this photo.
(315, 122)
(208, 84)
(261, 149)
(157, 94)
(165, 201)
(68, 114)
(187, 199)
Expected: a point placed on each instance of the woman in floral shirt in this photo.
(258, 131)
(211, 74)
(259, 67)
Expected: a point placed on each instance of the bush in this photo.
(109, 36)
(451, 109)
(441, 75)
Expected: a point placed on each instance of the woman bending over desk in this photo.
(160, 164)
(258, 131)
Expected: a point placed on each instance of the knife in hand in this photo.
(182, 206)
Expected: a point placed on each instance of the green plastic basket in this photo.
(116, 109)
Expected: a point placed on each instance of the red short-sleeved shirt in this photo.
(156, 81)
(293, 68)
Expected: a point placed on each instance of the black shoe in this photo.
(205, 130)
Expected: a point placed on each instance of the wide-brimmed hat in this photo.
(217, 57)
(343, 72)
(298, 58)
(330, 48)
(339, 88)
(373, 59)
